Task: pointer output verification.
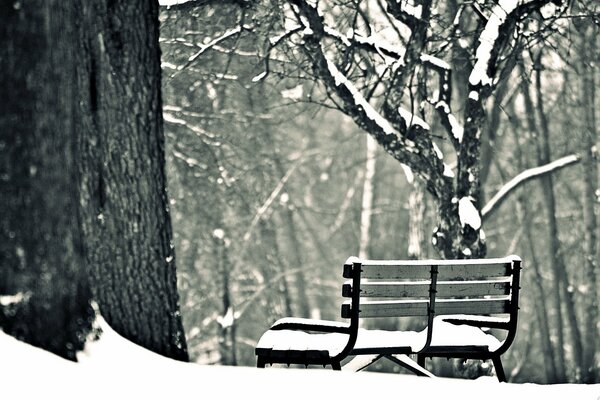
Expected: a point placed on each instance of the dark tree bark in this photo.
(40, 248)
(124, 205)
(84, 209)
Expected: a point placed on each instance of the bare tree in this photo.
(385, 81)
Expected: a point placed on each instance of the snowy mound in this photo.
(113, 367)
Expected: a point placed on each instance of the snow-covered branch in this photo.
(402, 133)
(523, 177)
(359, 101)
(204, 47)
(201, 133)
(371, 43)
(405, 12)
(442, 103)
(494, 36)
(487, 42)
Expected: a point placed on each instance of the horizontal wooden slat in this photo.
(392, 272)
(386, 271)
(479, 261)
(472, 306)
(408, 308)
(421, 289)
(473, 272)
(399, 308)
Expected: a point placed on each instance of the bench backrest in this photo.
(400, 288)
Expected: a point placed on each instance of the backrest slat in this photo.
(395, 272)
(408, 308)
(388, 309)
(444, 289)
(473, 271)
(445, 272)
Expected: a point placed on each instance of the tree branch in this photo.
(523, 177)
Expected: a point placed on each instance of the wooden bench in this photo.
(461, 301)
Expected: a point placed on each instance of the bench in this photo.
(462, 301)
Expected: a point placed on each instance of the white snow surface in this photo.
(411, 9)
(115, 368)
(468, 214)
(294, 93)
(169, 3)
(410, 176)
(412, 119)
(8, 300)
(457, 129)
(437, 151)
(438, 62)
(448, 171)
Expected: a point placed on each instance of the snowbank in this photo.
(113, 367)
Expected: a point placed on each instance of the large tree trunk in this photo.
(84, 89)
(124, 206)
(40, 240)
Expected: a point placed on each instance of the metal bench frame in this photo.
(352, 270)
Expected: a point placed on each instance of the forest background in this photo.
(298, 133)
(272, 187)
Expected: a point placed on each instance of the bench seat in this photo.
(445, 334)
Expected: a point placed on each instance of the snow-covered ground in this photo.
(114, 368)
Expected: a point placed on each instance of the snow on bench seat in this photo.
(444, 334)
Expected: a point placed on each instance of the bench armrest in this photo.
(314, 325)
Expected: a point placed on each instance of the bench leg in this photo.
(260, 363)
(405, 361)
(421, 360)
(360, 362)
(499, 369)
(336, 366)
